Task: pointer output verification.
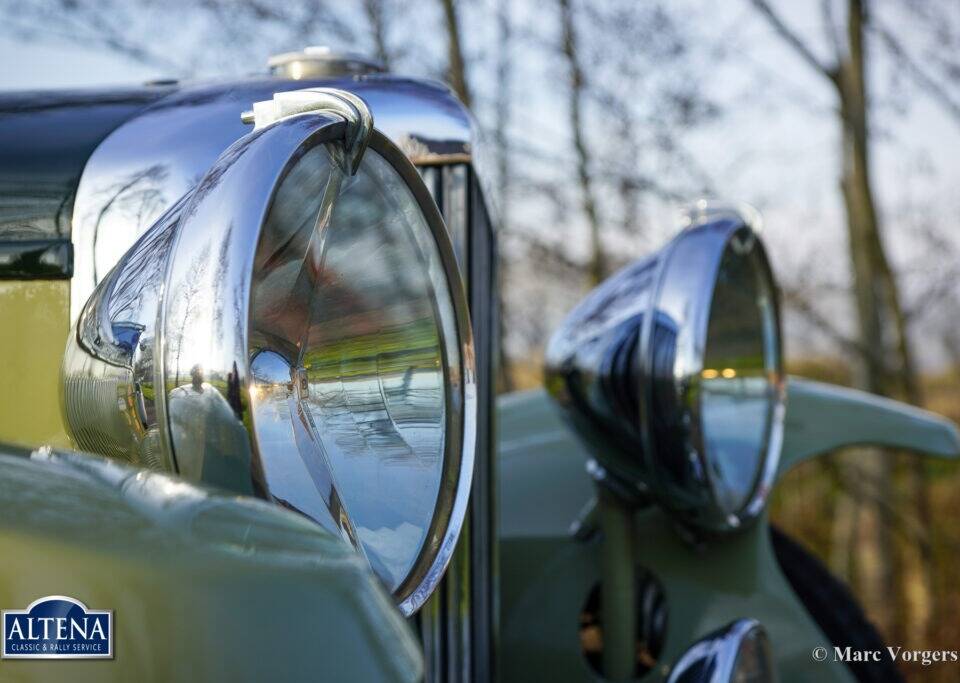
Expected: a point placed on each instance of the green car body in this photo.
(214, 587)
(547, 572)
(207, 585)
(204, 586)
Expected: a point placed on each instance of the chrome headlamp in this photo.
(296, 329)
(672, 372)
(737, 653)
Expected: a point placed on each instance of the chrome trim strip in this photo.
(36, 259)
(460, 624)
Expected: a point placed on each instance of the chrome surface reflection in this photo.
(108, 373)
(351, 346)
(144, 166)
(672, 371)
(320, 61)
(737, 653)
(298, 333)
(737, 395)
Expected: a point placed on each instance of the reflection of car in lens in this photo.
(199, 410)
(271, 305)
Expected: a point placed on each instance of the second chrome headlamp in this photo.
(671, 370)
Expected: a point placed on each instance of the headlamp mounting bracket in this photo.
(352, 108)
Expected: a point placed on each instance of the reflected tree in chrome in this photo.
(736, 391)
(348, 355)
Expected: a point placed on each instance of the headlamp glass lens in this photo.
(737, 394)
(353, 341)
(754, 663)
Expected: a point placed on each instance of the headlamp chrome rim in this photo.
(626, 366)
(685, 282)
(719, 653)
(437, 548)
(444, 532)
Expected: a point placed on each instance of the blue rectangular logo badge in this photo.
(57, 627)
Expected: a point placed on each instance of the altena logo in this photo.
(57, 627)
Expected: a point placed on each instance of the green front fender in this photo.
(546, 574)
(204, 586)
(824, 417)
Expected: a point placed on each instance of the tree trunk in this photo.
(504, 76)
(920, 574)
(378, 30)
(844, 529)
(456, 66)
(886, 365)
(874, 540)
(577, 87)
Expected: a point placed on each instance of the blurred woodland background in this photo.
(838, 119)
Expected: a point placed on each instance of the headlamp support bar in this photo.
(351, 107)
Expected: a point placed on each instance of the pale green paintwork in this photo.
(195, 578)
(33, 330)
(204, 586)
(822, 417)
(546, 574)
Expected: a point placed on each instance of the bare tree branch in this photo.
(799, 302)
(541, 252)
(927, 82)
(793, 40)
(456, 66)
(376, 17)
(87, 30)
(576, 88)
(831, 29)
